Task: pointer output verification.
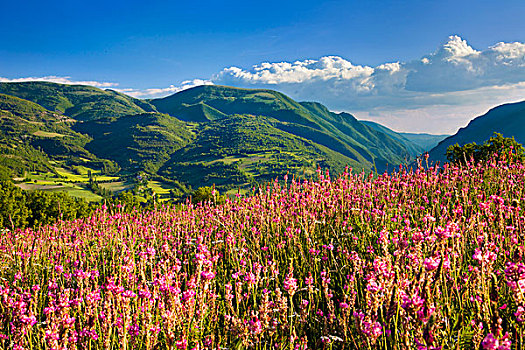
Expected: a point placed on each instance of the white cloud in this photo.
(436, 93)
(457, 66)
(161, 92)
(454, 49)
(329, 68)
(444, 112)
(147, 93)
(60, 80)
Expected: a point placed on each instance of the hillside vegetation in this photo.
(79, 102)
(30, 136)
(342, 133)
(205, 136)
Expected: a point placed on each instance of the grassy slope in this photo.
(342, 133)
(142, 141)
(77, 101)
(386, 147)
(34, 140)
(241, 148)
(25, 130)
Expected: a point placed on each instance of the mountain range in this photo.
(203, 136)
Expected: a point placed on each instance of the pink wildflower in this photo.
(492, 343)
(431, 263)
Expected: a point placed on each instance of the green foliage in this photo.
(497, 146)
(21, 107)
(19, 208)
(207, 194)
(20, 158)
(5, 174)
(141, 142)
(95, 187)
(31, 136)
(127, 201)
(241, 149)
(14, 211)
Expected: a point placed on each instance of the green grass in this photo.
(116, 186)
(70, 176)
(69, 182)
(234, 191)
(77, 191)
(226, 160)
(44, 182)
(160, 187)
(52, 186)
(42, 178)
(83, 170)
(47, 134)
(83, 176)
(38, 186)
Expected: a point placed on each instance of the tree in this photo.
(13, 208)
(19, 208)
(497, 146)
(206, 194)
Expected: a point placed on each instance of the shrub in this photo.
(497, 146)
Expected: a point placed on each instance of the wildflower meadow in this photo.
(430, 258)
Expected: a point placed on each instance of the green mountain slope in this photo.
(384, 146)
(206, 135)
(31, 136)
(240, 149)
(77, 101)
(341, 133)
(412, 148)
(507, 119)
(229, 100)
(137, 142)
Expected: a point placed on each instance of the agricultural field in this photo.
(47, 134)
(424, 259)
(72, 181)
(81, 174)
(71, 189)
(117, 186)
(161, 189)
(77, 191)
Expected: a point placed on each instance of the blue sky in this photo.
(153, 48)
